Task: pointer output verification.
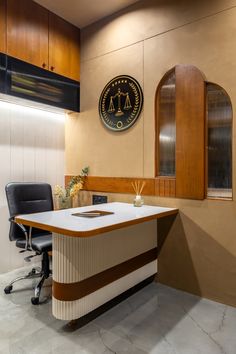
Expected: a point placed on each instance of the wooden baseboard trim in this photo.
(75, 291)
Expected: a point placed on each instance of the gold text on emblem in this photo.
(126, 106)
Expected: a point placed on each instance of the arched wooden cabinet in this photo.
(187, 146)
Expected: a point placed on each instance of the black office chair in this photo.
(27, 198)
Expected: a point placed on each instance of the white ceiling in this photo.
(84, 12)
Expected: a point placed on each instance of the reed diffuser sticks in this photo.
(138, 187)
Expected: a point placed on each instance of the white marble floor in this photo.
(156, 320)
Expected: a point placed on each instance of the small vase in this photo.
(64, 202)
(138, 201)
(75, 201)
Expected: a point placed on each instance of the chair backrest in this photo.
(27, 198)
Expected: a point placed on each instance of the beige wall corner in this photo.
(88, 141)
(144, 20)
(199, 254)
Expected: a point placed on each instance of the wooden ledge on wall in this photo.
(160, 186)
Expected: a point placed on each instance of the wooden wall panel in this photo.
(2, 26)
(27, 32)
(116, 184)
(29, 152)
(163, 187)
(190, 132)
(157, 186)
(172, 187)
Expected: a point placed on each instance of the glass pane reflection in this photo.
(167, 129)
(219, 112)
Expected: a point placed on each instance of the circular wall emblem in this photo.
(120, 103)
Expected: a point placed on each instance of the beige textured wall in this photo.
(146, 40)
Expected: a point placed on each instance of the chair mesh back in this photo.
(27, 198)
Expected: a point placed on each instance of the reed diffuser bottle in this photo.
(138, 188)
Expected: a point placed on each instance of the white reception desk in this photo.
(97, 258)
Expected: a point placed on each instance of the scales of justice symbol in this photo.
(127, 104)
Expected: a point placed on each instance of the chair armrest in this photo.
(28, 236)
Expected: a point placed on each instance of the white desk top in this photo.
(63, 222)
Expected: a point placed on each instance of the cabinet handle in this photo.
(44, 65)
(52, 68)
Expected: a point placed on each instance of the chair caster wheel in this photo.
(8, 289)
(34, 300)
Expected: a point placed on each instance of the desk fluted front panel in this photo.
(87, 272)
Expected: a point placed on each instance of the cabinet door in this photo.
(27, 32)
(2, 26)
(64, 53)
(190, 132)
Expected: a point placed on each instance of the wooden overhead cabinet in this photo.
(27, 32)
(64, 48)
(41, 38)
(2, 26)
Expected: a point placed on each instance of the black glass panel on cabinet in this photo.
(30, 82)
(3, 64)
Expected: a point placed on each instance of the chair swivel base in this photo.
(44, 273)
(31, 275)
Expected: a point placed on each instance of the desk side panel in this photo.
(72, 310)
(78, 259)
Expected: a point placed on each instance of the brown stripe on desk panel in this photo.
(75, 291)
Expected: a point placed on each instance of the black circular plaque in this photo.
(120, 103)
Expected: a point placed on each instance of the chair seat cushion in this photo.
(40, 244)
